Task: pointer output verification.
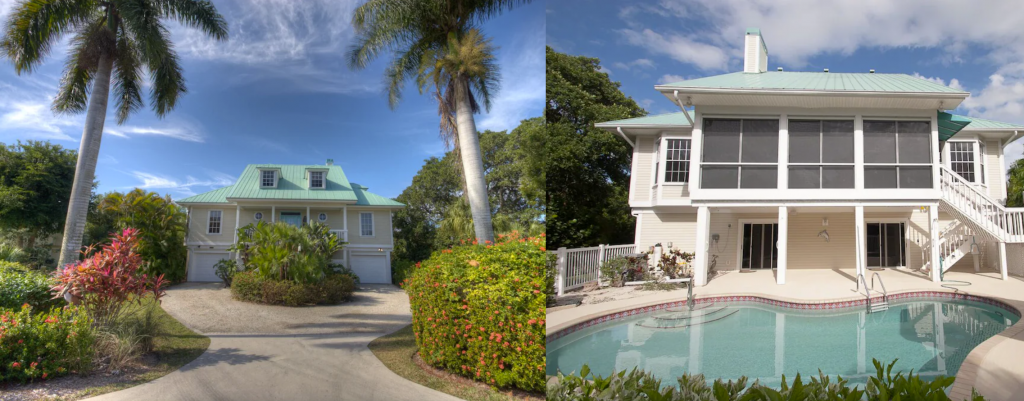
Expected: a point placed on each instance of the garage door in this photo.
(202, 266)
(371, 269)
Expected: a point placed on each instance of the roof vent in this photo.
(755, 53)
(826, 70)
(330, 162)
(780, 68)
(871, 71)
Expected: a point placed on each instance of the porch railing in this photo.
(579, 266)
(1005, 224)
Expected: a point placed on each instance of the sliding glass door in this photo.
(886, 245)
(759, 246)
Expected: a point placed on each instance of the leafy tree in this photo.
(161, 226)
(35, 182)
(1015, 184)
(588, 184)
(437, 44)
(119, 39)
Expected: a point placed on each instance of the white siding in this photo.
(643, 155)
(198, 225)
(675, 192)
(809, 251)
(678, 228)
(381, 227)
(994, 170)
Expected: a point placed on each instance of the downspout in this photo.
(1012, 138)
(680, 102)
(623, 134)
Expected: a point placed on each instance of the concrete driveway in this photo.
(261, 352)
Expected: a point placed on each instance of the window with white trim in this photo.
(897, 154)
(322, 217)
(961, 159)
(740, 153)
(366, 224)
(821, 154)
(258, 216)
(268, 178)
(214, 222)
(316, 179)
(981, 161)
(677, 160)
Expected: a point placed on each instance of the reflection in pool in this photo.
(721, 340)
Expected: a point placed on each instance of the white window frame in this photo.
(220, 222)
(982, 149)
(323, 179)
(740, 163)
(897, 164)
(322, 217)
(373, 228)
(661, 161)
(979, 161)
(892, 220)
(258, 216)
(821, 149)
(739, 236)
(274, 172)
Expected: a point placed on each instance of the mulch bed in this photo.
(514, 393)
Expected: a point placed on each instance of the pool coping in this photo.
(965, 378)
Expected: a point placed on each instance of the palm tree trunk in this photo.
(85, 169)
(472, 164)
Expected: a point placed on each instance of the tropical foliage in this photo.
(1015, 184)
(586, 163)
(251, 287)
(116, 39)
(437, 217)
(637, 384)
(160, 224)
(106, 282)
(20, 285)
(225, 269)
(281, 251)
(43, 344)
(436, 44)
(35, 183)
(478, 311)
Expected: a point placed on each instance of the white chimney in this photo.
(755, 53)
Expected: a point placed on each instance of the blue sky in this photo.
(646, 42)
(278, 91)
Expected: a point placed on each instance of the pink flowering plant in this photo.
(40, 346)
(107, 281)
(478, 311)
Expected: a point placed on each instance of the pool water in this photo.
(729, 340)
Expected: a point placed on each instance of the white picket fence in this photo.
(580, 266)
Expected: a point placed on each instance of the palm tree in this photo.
(110, 38)
(436, 43)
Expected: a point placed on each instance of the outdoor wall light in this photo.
(824, 221)
(380, 249)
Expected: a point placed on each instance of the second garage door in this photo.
(202, 266)
(371, 269)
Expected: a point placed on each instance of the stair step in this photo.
(880, 306)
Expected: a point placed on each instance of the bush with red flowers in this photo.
(39, 346)
(478, 311)
(106, 281)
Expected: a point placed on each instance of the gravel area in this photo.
(208, 308)
(67, 386)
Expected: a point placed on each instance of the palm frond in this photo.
(141, 20)
(127, 77)
(483, 10)
(405, 65)
(382, 25)
(199, 14)
(86, 46)
(35, 25)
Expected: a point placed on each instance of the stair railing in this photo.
(860, 279)
(1006, 224)
(885, 294)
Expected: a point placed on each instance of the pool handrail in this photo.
(860, 279)
(885, 294)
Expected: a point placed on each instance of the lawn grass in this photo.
(396, 351)
(174, 345)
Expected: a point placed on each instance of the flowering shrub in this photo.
(478, 311)
(105, 281)
(43, 345)
(19, 285)
(251, 287)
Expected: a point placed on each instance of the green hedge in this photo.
(400, 270)
(249, 286)
(44, 345)
(20, 285)
(640, 385)
(478, 311)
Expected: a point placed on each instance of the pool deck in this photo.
(993, 368)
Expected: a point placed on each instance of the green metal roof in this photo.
(820, 81)
(980, 124)
(292, 185)
(950, 124)
(215, 196)
(668, 119)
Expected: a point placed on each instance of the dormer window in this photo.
(268, 178)
(316, 179)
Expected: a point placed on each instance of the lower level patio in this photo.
(991, 367)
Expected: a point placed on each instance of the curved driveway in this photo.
(261, 352)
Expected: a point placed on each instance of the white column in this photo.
(935, 151)
(783, 152)
(1002, 261)
(309, 219)
(700, 259)
(977, 262)
(858, 152)
(780, 343)
(861, 239)
(782, 242)
(238, 215)
(933, 235)
(696, 152)
(273, 214)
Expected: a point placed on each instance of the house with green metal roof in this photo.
(293, 194)
(789, 171)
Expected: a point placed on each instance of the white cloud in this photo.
(604, 69)
(156, 181)
(681, 48)
(670, 78)
(34, 120)
(641, 63)
(180, 133)
(953, 83)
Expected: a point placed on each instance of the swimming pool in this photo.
(760, 339)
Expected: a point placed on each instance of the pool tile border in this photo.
(775, 302)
